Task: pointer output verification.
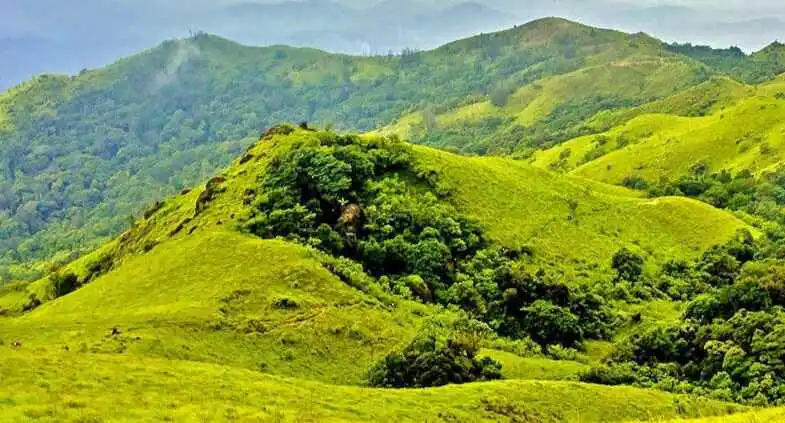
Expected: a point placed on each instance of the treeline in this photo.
(730, 340)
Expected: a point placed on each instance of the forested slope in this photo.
(80, 154)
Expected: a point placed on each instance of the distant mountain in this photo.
(92, 33)
(37, 40)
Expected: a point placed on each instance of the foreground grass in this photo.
(774, 415)
(88, 387)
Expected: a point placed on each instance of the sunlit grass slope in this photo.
(573, 223)
(773, 415)
(551, 105)
(741, 129)
(76, 387)
(199, 321)
(225, 298)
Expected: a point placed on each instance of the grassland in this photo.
(722, 125)
(225, 298)
(574, 224)
(68, 386)
(198, 321)
(773, 415)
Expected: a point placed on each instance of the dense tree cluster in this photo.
(367, 201)
(730, 340)
(427, 362)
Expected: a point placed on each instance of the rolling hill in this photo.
(720, 125)
(80, 154)
(122, 388)
(187, 316)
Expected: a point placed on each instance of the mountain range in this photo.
(34, 39)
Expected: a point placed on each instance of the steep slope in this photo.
(80, 154)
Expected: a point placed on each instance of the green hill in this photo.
(525, 206)
(80, 154)
(726, 126)
(187, 316)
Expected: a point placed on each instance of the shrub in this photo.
(548, 324)
(628, 265)
(426, 363)
(64, 283)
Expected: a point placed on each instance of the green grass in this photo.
(63, 386)
(773, 415)
(215, 297)
(522, 205)
(721, 124)
(535, 368)
(208, 323)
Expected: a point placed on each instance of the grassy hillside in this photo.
(520, 117)
(75, 386)
(738, 128)
(762, 416)
(575, 225)
(220, 297)
(80, 154)
(186, 317)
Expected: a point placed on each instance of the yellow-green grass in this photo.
(647, 78)
(632, 79)
(744, 133)
(72, 386)
(535, 368)
(521, 205)
(225, 298)
(772, 415)
(750, 135)
(709, 97)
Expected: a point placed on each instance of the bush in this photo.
(64, 283)
(628, 265)
(548, 324)
(427, 363)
